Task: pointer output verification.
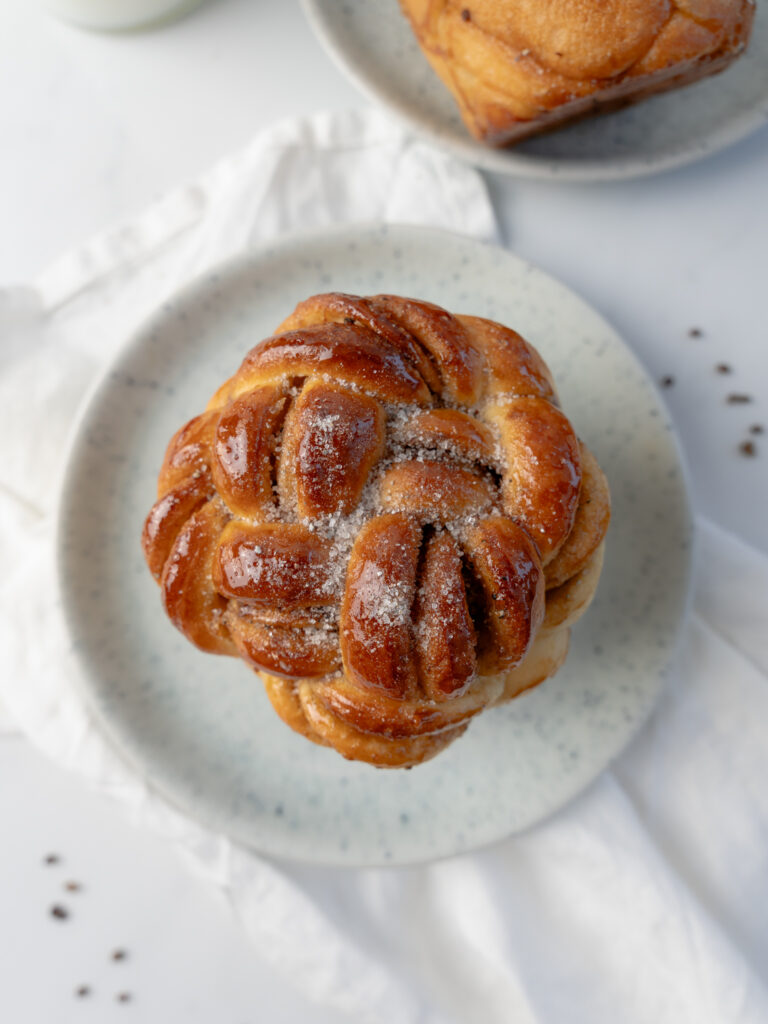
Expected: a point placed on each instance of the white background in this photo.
(92, 128)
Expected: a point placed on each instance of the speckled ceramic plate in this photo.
(200, 728)
(373, 44)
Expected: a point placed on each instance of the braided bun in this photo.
(518, 67)
(386, 514)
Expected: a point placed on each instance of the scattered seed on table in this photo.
(59, 912)
(723, 368)
(695, 332)
(748, 448)
(667, 382)
(52, 858)
(83, 991)
(123, 997)
(119, 954)
(738, 399)
(757, 428)
(72, 886)
(466, 15)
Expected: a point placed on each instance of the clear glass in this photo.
(119, 15)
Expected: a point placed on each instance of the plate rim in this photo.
(78, 671)
(517, 164)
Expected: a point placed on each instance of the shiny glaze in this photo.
(375, 619)
(590, 526)
(336, 307)
(188, 453)
(508, 567)
(191, 601)
(543, 478)
(444, 337)
(332, 440)
(376, 553)
(167, 517)
(272, 563)
(452, 430)
(243, 449)
(513, 366)
(344, 352)
(285, 649)
(445, 634)
(435, 491)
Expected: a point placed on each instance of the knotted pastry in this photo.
(517, 67)
(386, 514)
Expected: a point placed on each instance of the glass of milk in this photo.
(119, 15)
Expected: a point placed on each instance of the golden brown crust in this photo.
(192, 602)
(568, 602)
(541, 487)
(346, 352)
(435, 491)
(508, 567)
(298, 647)
(512, 365)
(272, 564)
(450, 430)
(243, 449)
(375, 748)
(457, 364)
(188, 454)
(375, 618)
(590, 523)
(332, 439)
(516, 68)
(547, 655)
(370, 512)
(169, 514)
(445, 634)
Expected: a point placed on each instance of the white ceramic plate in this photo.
(373, 44)
(200, 728)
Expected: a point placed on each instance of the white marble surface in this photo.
(94, 127)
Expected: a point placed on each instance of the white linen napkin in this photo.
(642, 901)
